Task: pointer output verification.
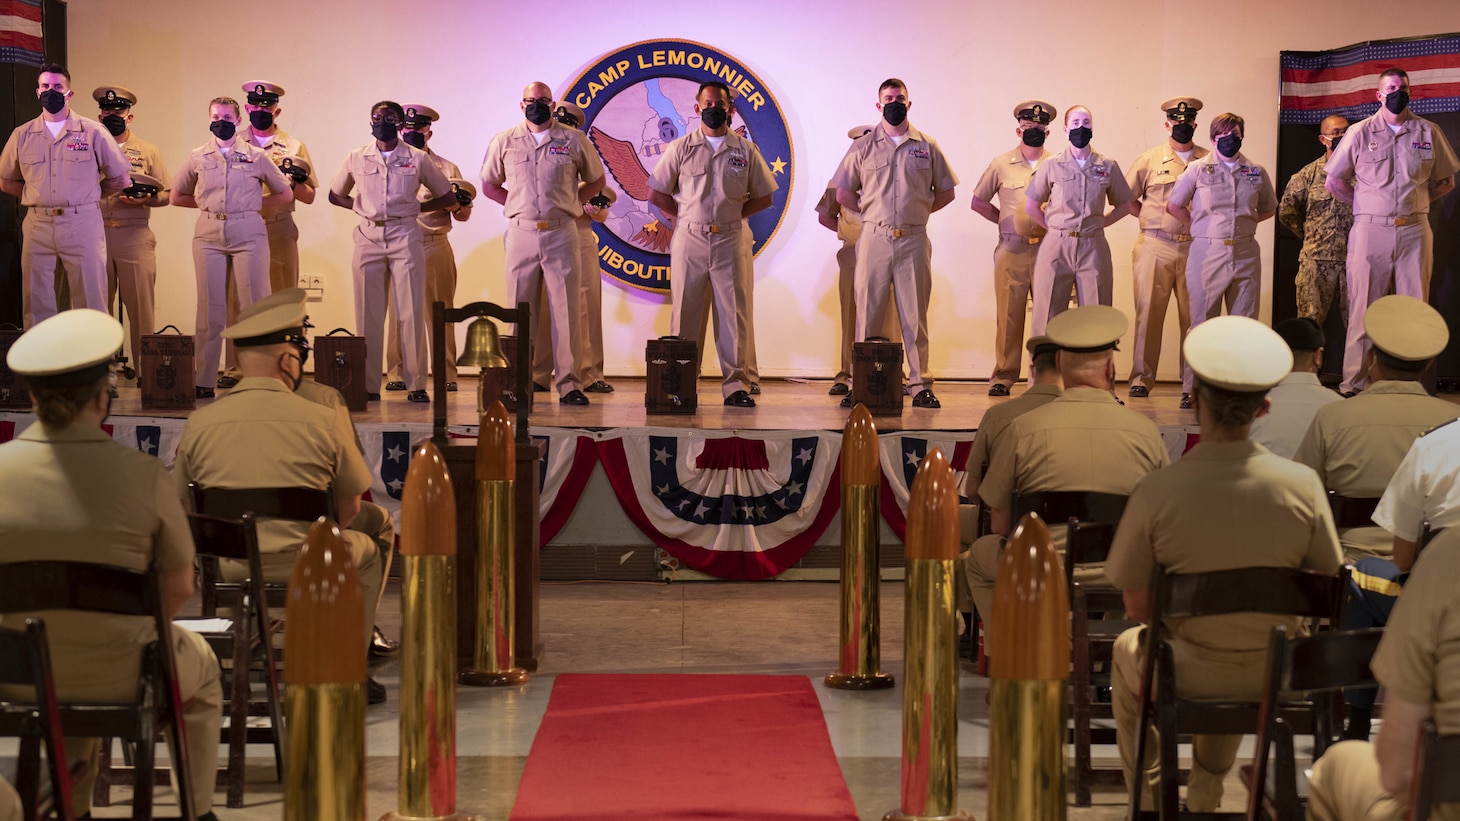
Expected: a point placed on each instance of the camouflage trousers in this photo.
(1318, 282)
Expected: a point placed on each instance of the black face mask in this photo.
(415, 139)
(384, 131)
(894, 113)
(115, 124)
(223, 129)
(714, 118)
(261, 120)
(1033, 137)
(539, 112)
(1229, 145)
(1183, 132)
(53, 101)
(1080, 137)
(1395, 101)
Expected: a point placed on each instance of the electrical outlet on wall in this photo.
(313, 282)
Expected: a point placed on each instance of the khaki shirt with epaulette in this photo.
(712, 186)
(229, 181)
(73, 168)
(1418, 659)
(1075, 197)
(848, 223)
(142, 157)
(541, 180)
(1007, 178)
(280, 145)
(1223, 506)
(1320, 219)
(1224, 202)
(1151, 178)
(998, 419)
(896, 184)
(1356, 445)
(1391, 172)
(388, 188)
(437, 222)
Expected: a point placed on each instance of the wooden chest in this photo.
(12, 385)
(670, 383)
(165, 371)
(877, 377)
(339, 361)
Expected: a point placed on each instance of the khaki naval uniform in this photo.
(1007, 179)
(65, 177)
(590, 359)
(1418, 661)
(10, 807)
(131, 247)
(1224, 264)
(279, 219)
(1356, 445)
(262, 435)
(895, 187)
(1295, 401)
(849, 230)
(1182, 519)
(389, 261)
(710, 253)
(542, 241)
(1158, 260)
(440, 276)
(74, 494)
(1390, 247)
(1322, 221)
(1075, 253)
(229, 239)
(1082, 440)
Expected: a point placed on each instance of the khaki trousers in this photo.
(543, 264)
(846, 263)
(709, 272)
(1013, 277)
(1067, 263)
(895, 270)
(1158, 270)
(1218, 274)
(369, 562)
(233, 251)
(1382, 260)
(389, 264)
(590, 302)
(74, 242)
(131, 271)
(1344, 786)
(440, 287)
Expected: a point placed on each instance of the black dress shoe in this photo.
(374, 691)
(538, 387)
(740, 399)
(451, 387)
(380, 646)
(599, 387)
(1139, 391)
(202, 393)
(417, 396)
(998, 390)
(372, 397)
(1349, 394)
(226, 382)
(839, 389)
(754, 389)
(396, 385)
(926, 399)
(573, 397)
(1186, 401)
(846, 401)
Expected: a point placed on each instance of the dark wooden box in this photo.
(339, 361)
(13, 394)
(877, 377)
(165, 371)
(670, 383)
(501, 383)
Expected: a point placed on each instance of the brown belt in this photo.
(1159, 234)
(1020, 239)
(1407, 219)
(118, 223)
(277, 216)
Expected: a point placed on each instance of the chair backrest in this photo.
(25, 660)
(97, 588)
(218, 538)
(1329, 660)
(1437, 760)
(1087, 542)
(297, 504)
(1352, 512)
(1280, 591)
(1062, 505)
(441, 316)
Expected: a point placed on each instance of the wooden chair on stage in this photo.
(25, 661)
(1319, 667)
(1437, 761)
(157, 707)
(1270, 590)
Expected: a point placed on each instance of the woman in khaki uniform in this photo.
(68, 492)
(224, 178)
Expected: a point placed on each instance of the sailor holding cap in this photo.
(1158, 260)
(69, 492)
(262, 434)
(1228, 503)
(131, 248)
(261, 106)
(1084, 440)
(1296, 399)
(1007, 178)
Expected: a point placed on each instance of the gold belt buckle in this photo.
(1403, 220)
(896, 233)
(1182, 237)
(55, 212)
(1034, 240)
(542, 225)
(714, 229)
(1229, 242)
(378, 223)
(114, 223)
(1076, 234)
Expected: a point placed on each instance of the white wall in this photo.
(966, 62)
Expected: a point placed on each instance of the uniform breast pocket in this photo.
(919, 171)
(564, 169)
(1417, 163)
(1373, 170)
(211, 174)
(736, 183)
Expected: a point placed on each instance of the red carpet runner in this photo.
(682, 747)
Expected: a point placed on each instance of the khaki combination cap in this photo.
(262, 92)
(1406, 328)
(113, 97)
(419, 114)
(464, 185)
(1040, 344)
(1181, 109)
(859, 131)
(283, 296)
(1237, 354)
(71, 348)
(1088, 329)
(283, 322)
(1037, 111)
(138, 178)
(565, 108)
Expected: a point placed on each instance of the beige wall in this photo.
(966, 63)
